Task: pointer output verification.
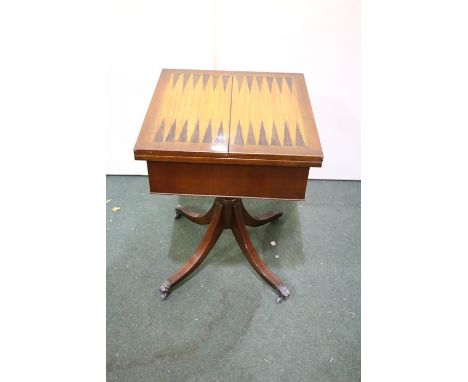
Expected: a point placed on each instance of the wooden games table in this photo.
(229, 135)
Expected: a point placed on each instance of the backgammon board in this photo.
(236, 115)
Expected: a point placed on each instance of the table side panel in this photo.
(228, 180)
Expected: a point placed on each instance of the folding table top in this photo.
(220, 116)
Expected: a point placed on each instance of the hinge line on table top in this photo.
(230, 110)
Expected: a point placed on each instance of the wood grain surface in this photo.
(207, 179)
(222, 115)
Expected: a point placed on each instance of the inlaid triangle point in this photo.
(186, 78)
(263, 139)
(287, 138)
(279, 81)
(251, 136)
(215, 80)
(207, 138)
(249, 82)
(183, 133)
(289, 82)
(239, 81)
(299, 139)
(270, 82)
(160, 134)
(225, 81)
(274, 137)
(195, 136)
(259, 82)
(171, 136)
(220, 135)
(176, 77)
(206, 77)
(239, 138)
(196, 77)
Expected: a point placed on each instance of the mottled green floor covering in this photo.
(223, 323)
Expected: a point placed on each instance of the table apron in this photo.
(228, 180)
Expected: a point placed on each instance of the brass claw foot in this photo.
(283, 293)
(164, 289)
(178, 214)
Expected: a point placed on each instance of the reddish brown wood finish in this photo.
(226, 214)
(195, 216)
(211, 236)
(217, 115)
(256, 221)
(228, 180)
(243, 239)
(230, 135)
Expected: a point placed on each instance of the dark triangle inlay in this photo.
(186, 78)
(171, 136)
(196, 77)
(225, 81)
(287, 138)
(215, 80)
(274, 137)
(299, 139)
(207, 137)
(176, 77)
(279, 81)
(239, 81)
(249, 82)
(251, 137)
(270, 82)
(289, 82)
(160, 134)
(263, 139)
(239, 138)
(259, 82)
(220, 135)
(195, 138)
(206, 77)
(183, 133)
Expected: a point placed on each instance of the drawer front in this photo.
(228, 180)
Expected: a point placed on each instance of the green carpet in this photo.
(222, 323)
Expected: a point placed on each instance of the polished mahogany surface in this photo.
(230, 117)
(229, 135)
(235, 180)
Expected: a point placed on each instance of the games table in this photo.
(230, 135)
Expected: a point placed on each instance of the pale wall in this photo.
(319, 38)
